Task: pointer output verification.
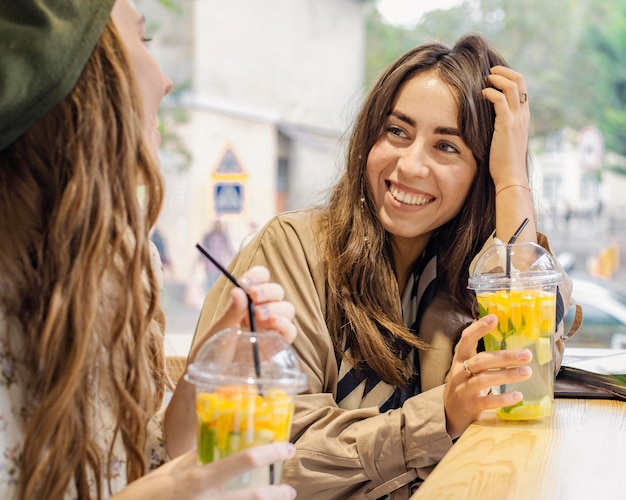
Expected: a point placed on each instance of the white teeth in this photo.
(408, 198)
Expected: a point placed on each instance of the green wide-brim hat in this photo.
(44, 46)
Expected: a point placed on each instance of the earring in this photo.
(362, 199)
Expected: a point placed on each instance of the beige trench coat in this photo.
(348, 453)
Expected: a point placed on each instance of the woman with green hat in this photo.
(81, 328)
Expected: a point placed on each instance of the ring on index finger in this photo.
(523, 97)
(467, 370)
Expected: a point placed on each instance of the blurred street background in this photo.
(265, 92)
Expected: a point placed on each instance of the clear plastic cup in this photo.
(245, 388)
(518, 284)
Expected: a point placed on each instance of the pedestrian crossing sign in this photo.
(228, 198)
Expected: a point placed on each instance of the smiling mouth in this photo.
(408, 198)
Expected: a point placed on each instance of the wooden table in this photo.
(577, 453)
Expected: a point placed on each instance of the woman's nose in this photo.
(414, 160)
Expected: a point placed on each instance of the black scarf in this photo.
(361, 388)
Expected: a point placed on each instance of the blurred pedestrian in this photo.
(158, 239)
(217, 241)
(81, 322)
(436, 170)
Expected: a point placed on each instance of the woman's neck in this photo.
(405, 252)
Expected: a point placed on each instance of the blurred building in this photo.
(572, 180)
(265, 93)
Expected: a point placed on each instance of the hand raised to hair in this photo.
(509, 145)
(467, 392)
(184, 479)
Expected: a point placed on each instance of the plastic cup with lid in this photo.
(245, 383)
(518, 283)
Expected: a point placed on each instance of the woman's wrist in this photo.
(523, 186)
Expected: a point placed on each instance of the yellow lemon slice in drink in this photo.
(544, 350)
(206, 403)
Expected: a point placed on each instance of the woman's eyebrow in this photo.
(401, 116)
(448, 131)
(439, 130)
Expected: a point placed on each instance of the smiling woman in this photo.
(420, 169)
(379, 273)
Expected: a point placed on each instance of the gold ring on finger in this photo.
(467, 370)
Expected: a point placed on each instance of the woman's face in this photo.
(419, 169)
(152, 83)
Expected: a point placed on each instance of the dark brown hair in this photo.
(363, 293)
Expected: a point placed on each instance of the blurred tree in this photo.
(384, 43)
(173, 147)
(572, 54)
(606, 35)
(173, 5)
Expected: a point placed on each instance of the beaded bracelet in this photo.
(512, 185)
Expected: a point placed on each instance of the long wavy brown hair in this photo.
(363, 303)
(75, 276)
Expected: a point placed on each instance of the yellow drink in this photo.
(246, 383)
(526, 319)
(236, 417)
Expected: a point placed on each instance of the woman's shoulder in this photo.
(302, 219)
(301, 227)
(291, 242)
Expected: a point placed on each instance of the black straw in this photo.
(519, 231)
(255, 347)
(511, 241)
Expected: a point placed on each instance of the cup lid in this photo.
(519, 265)
(228, 357)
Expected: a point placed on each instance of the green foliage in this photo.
(173, 5)
(571, 52)
(172, 144)
(607, 39)
(618, 169)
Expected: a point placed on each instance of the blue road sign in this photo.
(228, 198)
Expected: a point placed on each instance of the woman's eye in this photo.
(397, 131)
(146, 39)
(447, 148)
